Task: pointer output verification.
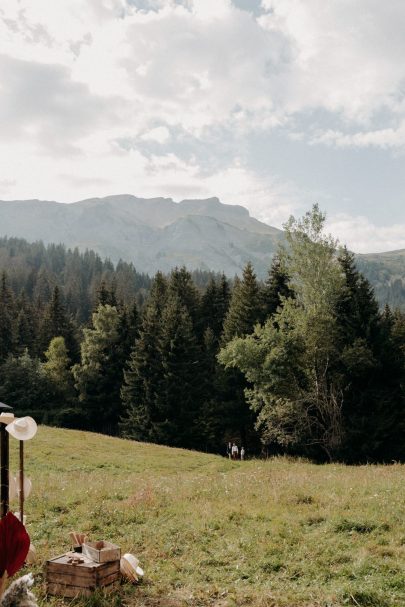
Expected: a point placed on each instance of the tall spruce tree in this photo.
(128, 328)
(182, 286)
(245, 310)
(98, 376)
(214, 306)
(245, 306)
(6, 318)
(26, 326)
(182, 378)
(161, 392)
(62, 409)
(140, 391)
(56, 323)
(373, 366)
(275, 288)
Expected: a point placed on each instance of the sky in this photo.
(272, 104)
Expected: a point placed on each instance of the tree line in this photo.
(304, 363)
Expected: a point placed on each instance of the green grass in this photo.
(211, 532)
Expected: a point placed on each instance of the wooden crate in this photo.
(65, 579)
(101, 551)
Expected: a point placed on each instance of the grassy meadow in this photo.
(211, 532)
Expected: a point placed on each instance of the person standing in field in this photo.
(235, 451)
(242, 453)
(229, 450)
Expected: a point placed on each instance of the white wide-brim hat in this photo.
(6, 418)
(129, 567)
(23, 428)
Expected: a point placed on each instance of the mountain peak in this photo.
(154, 234)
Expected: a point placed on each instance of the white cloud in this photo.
(363, 236)
(79, 76)
(267, 198)
(41, 104)
(160, 134)
(205, 62)
(381, 138)
(346, 54)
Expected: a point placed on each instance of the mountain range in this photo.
(159, 234)
(155, 234)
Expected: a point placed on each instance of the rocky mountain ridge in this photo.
(155, 234)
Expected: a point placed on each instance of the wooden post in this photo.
(22, 481)
(4, 459)
(4, 448)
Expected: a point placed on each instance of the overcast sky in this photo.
(273, 104)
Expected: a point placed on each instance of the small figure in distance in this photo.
(229, 450)
(242, 453)
(235, 451)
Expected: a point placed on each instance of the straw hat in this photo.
(6, 418)
(129, 567)
(23, 428)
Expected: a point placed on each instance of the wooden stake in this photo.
(22, 481)
(4, 456)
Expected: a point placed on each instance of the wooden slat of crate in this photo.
(73, 591)
(65, 579)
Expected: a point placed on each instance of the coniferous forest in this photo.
(304, 363)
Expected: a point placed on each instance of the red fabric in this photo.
(14, 544)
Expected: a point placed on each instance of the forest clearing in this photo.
(213, 532)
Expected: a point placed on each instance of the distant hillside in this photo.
(154, 234)
(386, 272)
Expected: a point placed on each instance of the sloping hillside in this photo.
(386, 272)
(211, 532)
(155, 234)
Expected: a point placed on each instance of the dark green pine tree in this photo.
(113, 292)
(143, 369)
(214, 306)
(213, 422)
(275, 287)
(7, 312)
(103, 295)
(213, 417)
(182, 378)
(357, 307)
(245, 308)
(107, 296)
(24, 384)
(161, 392)
(56, 323)
(158, 292)
(141, 388)
(181, 285)
(372, 366)
(98, 376)
(128, 328)
(26, 326)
